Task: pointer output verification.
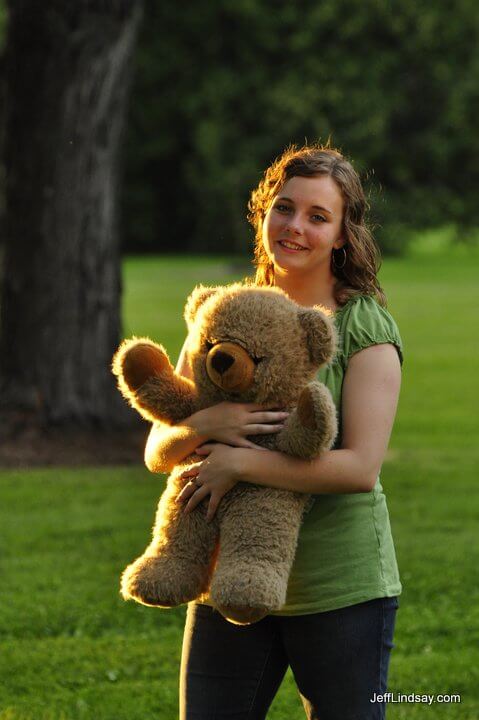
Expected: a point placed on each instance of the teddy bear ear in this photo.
(320, 334)
(196, 299)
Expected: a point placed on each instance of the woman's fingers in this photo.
(255, 407)
(204, 449)
(199, 493)
(192, 470)
(196, 495)
(243, 443)
(187, 492)
(269, 417)
(212, 508)
(263, 429)
(265, 423)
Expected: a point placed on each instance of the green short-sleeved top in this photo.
(345, 551)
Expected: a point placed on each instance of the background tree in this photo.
(223, 88)
(67, 75)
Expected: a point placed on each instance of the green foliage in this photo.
(222, 89)
(3, 23)
(73, 650)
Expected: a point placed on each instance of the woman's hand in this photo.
(215, 475)
(230, 423)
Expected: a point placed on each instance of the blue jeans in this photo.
(339, 659)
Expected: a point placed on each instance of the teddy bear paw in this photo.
(243, 597)
(137, 360)
(239, 615)
(317, 413)
(306, 409)
(150, 582)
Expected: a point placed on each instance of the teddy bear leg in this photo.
(176, 567)
(258, 537)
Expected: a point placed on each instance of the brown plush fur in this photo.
(245, 344)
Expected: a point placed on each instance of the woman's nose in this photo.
(294, 225)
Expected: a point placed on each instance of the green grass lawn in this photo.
(70, 648)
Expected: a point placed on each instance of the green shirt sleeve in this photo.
(365, 323)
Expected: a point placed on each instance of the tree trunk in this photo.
(67, 71)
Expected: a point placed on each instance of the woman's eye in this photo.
(318, 218)
(282, 208)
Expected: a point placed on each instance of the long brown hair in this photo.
(359, 274)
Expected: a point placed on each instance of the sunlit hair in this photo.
(359, 274)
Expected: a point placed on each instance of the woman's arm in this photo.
(227, 422)
(169, 444)
(369, 401)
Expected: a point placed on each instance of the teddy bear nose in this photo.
(230, 367)
(222, 361)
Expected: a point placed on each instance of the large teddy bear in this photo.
(245, 344)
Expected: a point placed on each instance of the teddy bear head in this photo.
(254, 344)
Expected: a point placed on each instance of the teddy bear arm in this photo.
(148, 381)
(312, 426)
(170, 402)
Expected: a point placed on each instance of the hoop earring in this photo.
(335, 264)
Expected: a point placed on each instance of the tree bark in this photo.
(68, 66)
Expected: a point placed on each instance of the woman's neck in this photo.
(308, 291)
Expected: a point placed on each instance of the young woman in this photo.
(336, 628)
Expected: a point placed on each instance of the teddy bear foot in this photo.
(242, 599)
(242, 615)
(148, 581)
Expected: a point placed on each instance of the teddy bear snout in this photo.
(230, 367)
(222, 361)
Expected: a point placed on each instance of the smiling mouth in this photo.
(290, 245)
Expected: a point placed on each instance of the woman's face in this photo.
(304, 224)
